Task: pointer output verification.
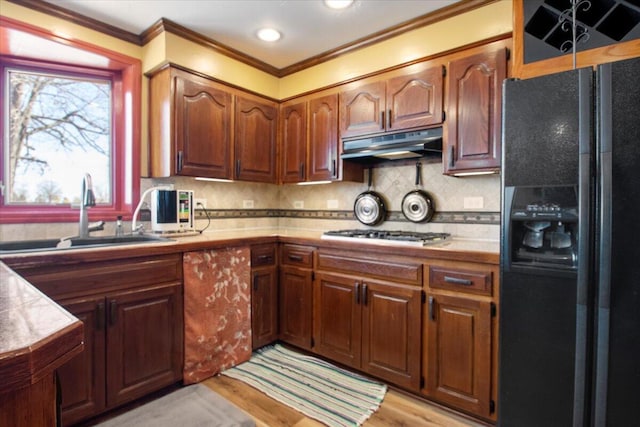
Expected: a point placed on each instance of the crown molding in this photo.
(82, 20)
(166, 25)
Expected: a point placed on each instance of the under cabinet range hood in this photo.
(404, 145)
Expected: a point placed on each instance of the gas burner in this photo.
(409, 238)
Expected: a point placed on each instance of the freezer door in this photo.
(617, 383)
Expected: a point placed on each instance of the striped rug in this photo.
(314, 387)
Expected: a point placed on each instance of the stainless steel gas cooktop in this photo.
(409, 238)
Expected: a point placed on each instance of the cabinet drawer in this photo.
(263, 255)
(389, 269)
(470, 281)
(301, 256)
(97, 277)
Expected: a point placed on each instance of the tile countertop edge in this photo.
(36, 334)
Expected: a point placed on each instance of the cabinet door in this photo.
(338, 318)
(82, 379)
(264, 306)
(296, 303)
(474, 119)
(391, 333)
(294, 142)
(255, 141)
(144, 341)
(323, 138)
(415, 100)
(203, 129)
(458, 353)
(362, 110)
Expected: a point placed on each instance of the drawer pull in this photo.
(295, 258)
(457, 281)
(265, 258)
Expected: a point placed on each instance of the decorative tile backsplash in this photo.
(326, 207)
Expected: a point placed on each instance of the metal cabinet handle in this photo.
(382, 120)
(432, 312)
(264, 258)
(100, 316)
(389, 119)
(113, 312)
(458, 281)
(237, 168)
(334, 169)
(451, 153)
(357, 285)
(301, 170)
(180, 160)
(295, 258)
(255, 283)
(365, 291)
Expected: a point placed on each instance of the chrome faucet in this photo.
(88, 199)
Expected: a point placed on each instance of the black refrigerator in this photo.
(569, 348)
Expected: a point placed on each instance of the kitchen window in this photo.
(67, 109)
(59, 127)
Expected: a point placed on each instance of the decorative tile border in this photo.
(466, 217)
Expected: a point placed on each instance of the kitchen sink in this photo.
(76, 243)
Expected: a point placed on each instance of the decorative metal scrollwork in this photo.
(579, 32)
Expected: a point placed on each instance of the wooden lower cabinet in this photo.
(460, 337)
(133, 329)
(459, 352)
(295, 294)
(82, 379)
(296, 303)
(133, 346)
(144, 344)
(370, 325)
(264, 295)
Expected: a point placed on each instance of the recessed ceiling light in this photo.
(268, 34)
(338, 4)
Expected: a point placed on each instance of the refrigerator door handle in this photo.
(585, 105)
(605, 115)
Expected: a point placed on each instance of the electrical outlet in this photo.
(247, 204)
(332, 204)
(200, 203)
(473, 202)
(298, 204)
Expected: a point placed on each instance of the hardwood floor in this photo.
(397, 409)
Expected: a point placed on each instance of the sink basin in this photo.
(76, 243)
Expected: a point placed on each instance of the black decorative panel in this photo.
(548, 27)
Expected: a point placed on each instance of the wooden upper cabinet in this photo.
(203, 129)
(323, 138)
(189, 126)
(293, 128)
(362, 110)
(474, 111)
(415, 100)
(310, 142)
(255, 140)
(410, 100)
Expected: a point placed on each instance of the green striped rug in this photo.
(314, 387)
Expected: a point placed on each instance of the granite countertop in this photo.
(454, 248)
(36, 334)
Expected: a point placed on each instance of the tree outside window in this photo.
(59, 129)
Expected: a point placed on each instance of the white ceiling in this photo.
(308, 27)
